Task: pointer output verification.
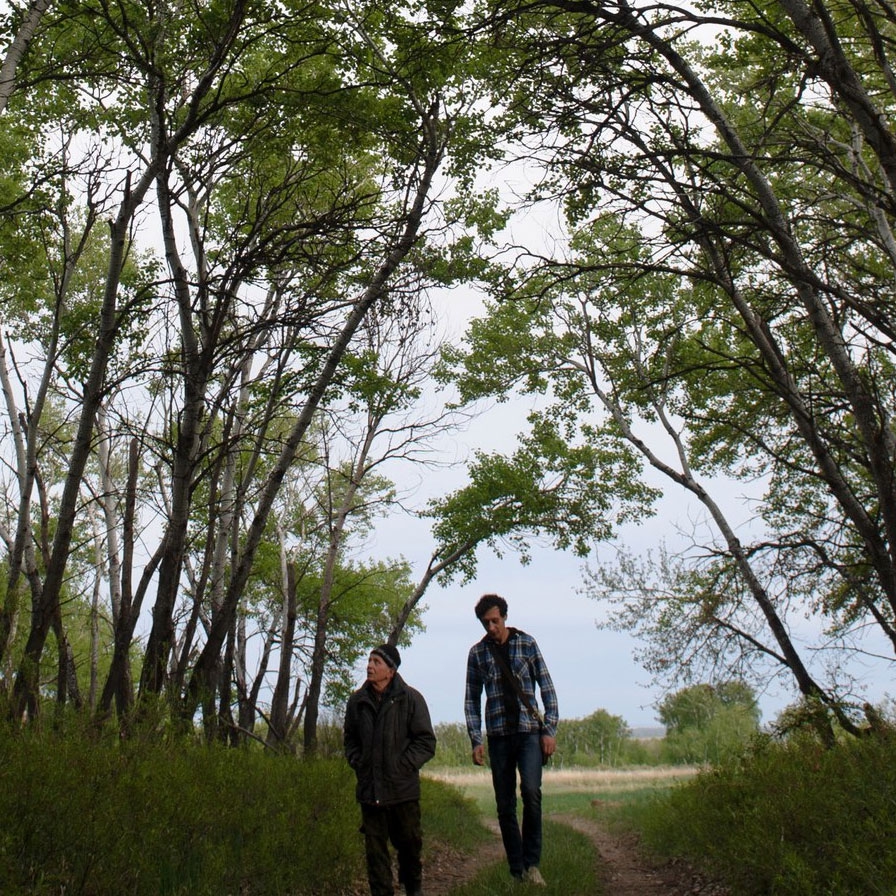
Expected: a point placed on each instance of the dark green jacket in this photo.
(387, 742)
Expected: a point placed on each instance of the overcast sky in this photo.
(592, 668)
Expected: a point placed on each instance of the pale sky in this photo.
(592, 669)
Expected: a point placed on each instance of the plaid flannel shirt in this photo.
(484, 673)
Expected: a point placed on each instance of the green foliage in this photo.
(694, 706)
(725, 280)
(599, 739)
(548, 487)
(789, 818)
(707, 723)
(452, 745)
(449, 816)
(366, 599)
(726, 734)
(295, 144)
(88, 813)
(97, 815)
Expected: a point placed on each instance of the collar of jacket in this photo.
(395, 689)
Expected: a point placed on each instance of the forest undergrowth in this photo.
(90, 814)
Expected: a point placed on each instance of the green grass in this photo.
(793, 819)
(92, 815)
(451, 817)
(573, 789)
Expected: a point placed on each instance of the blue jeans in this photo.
(508, 754)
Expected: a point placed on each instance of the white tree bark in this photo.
(17, 50)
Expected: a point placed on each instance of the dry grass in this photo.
(575, 779)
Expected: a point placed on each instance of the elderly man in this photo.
(388, 737)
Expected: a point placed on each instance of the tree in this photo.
(717, 290)
(288, 160)
(598, 739)
(24, 34)
(695, 706)
(705, 723)
(376, 422)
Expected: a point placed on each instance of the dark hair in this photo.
(487, 601)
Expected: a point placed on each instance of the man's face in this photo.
(495, 625)
(379, 672)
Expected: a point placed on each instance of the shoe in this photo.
(533, 876)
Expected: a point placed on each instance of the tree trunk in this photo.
(204, 670)
(278, 729)
(17, 49)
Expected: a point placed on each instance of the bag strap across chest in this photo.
(511, 680)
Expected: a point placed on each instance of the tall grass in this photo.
(789, 818)
(568, 863)
(784, 819)
(86, 815)
(449, 816)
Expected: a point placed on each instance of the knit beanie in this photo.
(389, 655)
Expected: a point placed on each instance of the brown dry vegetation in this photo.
(577, 779)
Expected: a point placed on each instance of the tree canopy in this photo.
(202, 205)
(716, 307)
(217, 221)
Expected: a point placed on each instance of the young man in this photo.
(507, 664)
(388, 737)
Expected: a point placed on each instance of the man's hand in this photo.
(548, 745)
(479, 754)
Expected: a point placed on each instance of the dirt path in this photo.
(445, 868)
(624, 869)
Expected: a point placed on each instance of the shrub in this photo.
(790, 818)
(452, 745)
(92, 816)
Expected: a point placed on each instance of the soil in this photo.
(626, 870)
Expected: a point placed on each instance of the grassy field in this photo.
(213, 821)
(792, 818)
(567, 789)
(561, 780)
